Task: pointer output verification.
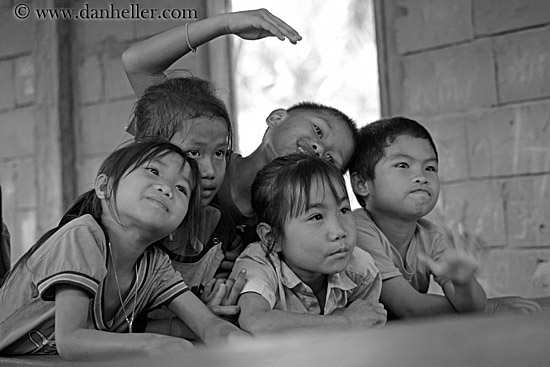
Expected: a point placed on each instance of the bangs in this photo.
(310, 178)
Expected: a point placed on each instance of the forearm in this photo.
(88, 344)
(153, 56)
(273, 321)
(423, 305)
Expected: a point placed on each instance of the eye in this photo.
(345, 210)
(431, 168)
(402, 165)
(193, 154)
(182, 189)
(318, 131)
(153, 170)
(220, 153)
(316, 217)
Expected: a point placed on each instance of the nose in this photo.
(336, 230)
(318, 148)
(206, 168)
(420, 178)
(165, 189)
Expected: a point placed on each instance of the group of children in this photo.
(183, 241)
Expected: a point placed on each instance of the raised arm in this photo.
(257, 317)
(146, 61)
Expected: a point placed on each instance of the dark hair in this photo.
(118, 164)
(163, 109)
(281, 189)
(314, 106)
(374, 138)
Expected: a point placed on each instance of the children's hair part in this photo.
(118, 164)
(314, 106)
(374, 138)
(281, 189)
(163, 109)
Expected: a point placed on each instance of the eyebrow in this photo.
(401, 155)
(339, 201)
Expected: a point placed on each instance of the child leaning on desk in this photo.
(394, 175)
(306, 272)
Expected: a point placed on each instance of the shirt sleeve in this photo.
(261, 276)
(373, 241)
(75, 255)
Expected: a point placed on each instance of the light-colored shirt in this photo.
(429, 239)
(270, 277)
(76, 254)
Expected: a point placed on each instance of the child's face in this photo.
(155, 196)
(206, 143)
(406, 184)
(320, 240)
(304, 131)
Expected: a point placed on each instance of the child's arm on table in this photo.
(76, 342)
(257, 317)
(206, 325)
(146, 61)
(463, 290)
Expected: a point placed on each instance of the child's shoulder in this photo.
(361, 263)
(428, 227)
(365, 224)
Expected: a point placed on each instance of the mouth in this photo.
(160, 203)
(341, 251)
(303, 147)
(422, 191)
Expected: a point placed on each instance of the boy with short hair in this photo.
(394, 175)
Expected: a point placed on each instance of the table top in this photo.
(478, 340)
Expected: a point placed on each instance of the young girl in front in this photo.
(77, 291)
(306, 271)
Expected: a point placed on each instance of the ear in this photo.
(265, 232)
(359, 185)
(276, 117)
(101, 186)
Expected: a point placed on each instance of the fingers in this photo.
(279, 28)
(212, 293)
(234, 288)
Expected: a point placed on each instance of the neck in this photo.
(399, 232)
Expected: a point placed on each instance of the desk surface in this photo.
(502, 340)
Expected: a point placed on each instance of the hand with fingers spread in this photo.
(258, 24)
(459, 267)
(221, 295)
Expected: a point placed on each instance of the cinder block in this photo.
(513, 273)
(431, 23)
(17, 136)
(527, 211)
(478, 206)
(7, 98)
(26, 183)
(8, 181)
(103, 126)
(511, 140)
(90, 79)
(117, 85)
(21, 34)
(185, 11)
(449, 135)
(87, 170)
(24, 80)
(449, 80)
(92, 33)
(24, 233)
(523, 59)
(493, 16)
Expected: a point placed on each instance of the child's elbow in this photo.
(252, 324)
(67, 350)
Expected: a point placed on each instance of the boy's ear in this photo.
(101, 186)
(359, 185)
(276, 117)
(265, 232)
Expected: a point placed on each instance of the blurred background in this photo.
(475, 73)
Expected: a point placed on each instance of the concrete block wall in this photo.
(102, 100)
(476, 73)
